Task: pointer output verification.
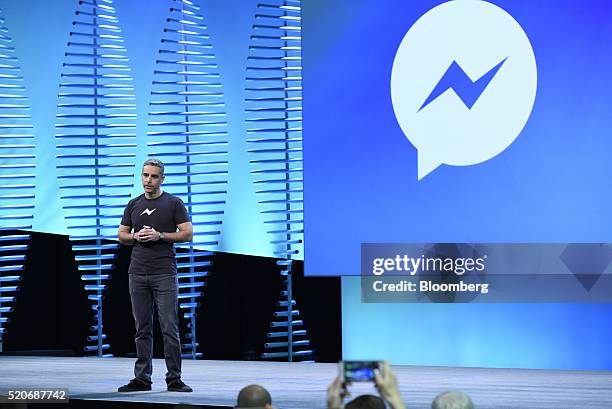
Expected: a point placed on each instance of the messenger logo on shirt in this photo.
(148, 212)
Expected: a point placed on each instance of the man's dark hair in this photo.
(366, 402)
(253, 396)
(155, 162)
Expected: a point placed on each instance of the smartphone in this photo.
(358, 371)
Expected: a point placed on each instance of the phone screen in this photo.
(359, 371)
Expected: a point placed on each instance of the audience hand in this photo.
(336, 392)
(386, 383)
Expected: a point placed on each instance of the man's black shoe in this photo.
(135, 385)
(178, 386)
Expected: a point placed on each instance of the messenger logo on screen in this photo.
(463, 83)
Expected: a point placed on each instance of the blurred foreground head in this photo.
(366, 402)
(452, 400)
(254, 396)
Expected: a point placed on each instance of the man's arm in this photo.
(184, 234)
(125, 235)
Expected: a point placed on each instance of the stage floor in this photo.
(303, 386)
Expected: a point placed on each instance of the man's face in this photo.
(151, 179)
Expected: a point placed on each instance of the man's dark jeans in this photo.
(160, 290)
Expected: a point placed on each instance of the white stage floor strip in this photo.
(303, 386)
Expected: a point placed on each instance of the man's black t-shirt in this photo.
(163, 214)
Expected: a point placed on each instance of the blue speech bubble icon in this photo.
(463, 83)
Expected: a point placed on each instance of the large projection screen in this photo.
(459, 122)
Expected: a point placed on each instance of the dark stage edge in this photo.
(303, 386)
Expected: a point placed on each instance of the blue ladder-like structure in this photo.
(95, 141)
(189, 134)
(16, 176)
(274, 123)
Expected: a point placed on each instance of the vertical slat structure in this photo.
(95, 141)
(188, 126)
(17, 162)
(274, 126)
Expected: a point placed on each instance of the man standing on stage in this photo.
(152, 222)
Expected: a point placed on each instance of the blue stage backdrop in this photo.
(459, 122)
(40, 30)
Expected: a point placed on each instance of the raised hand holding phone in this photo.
(336, 392)
(386, 383)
